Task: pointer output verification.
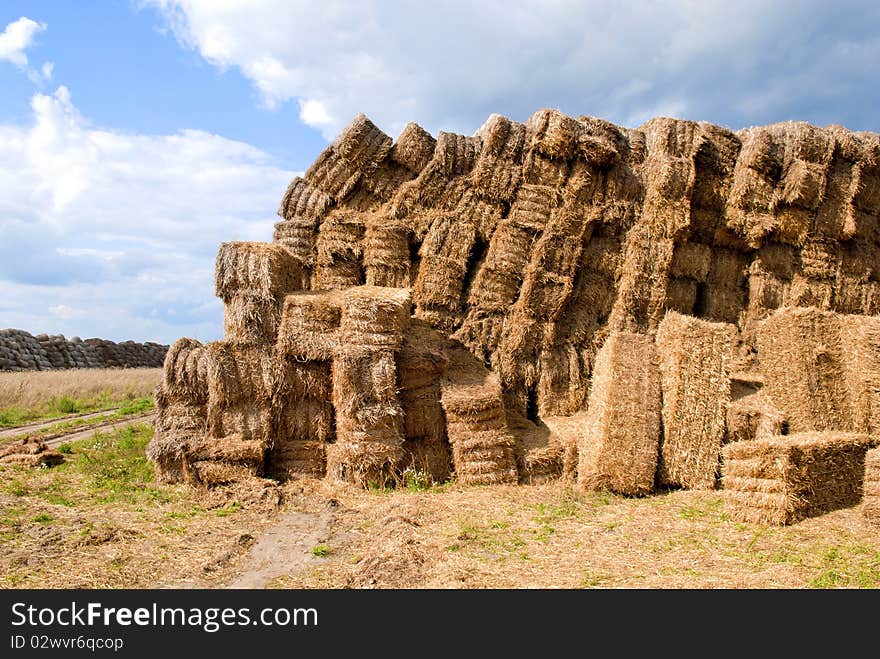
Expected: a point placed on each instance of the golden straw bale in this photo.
(340, 238)
(309, 327)
(781, 480)
(211, 472)
(691, 260)
(414, 147)
(860, 351)
(554, 134)
(439, 283)
(265, 269)
(302, 201)
(681, 295)
(177, 425)
(333, 175)
(753, 417)
(800, 356)
(871, 488)
(362, 144)
(239, 374)
(695, 382)
(498, 169)
(374, 316)
(454, 154)
(249, 318)
(619, 447)
(338, 275)
(186, 372)
(482, 445)
(297, 458)
(532, 207)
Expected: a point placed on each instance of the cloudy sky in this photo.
(135, 137)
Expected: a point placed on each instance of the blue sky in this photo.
(137, 136)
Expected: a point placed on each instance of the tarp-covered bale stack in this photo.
(181, 410)
(483, 449)
(252, 280)
(871, 490)
(369, 417)
(421, 364)
(695, 380)
(619, 447)
(781, 480)
(308, 339)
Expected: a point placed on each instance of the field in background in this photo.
(42, 395)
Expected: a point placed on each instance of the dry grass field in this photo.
(41, 395)
(100, 521)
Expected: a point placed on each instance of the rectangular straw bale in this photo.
(414, 147)
(603, 254)
(386, 255)
(299, 458)
(498, 170)
(554, 134)
(420, 365)
(265, 269)
(302, 201)
(767, 292)
(800, 356)
(532, 207)
(185, 372)
(753, 417)
(871, 489)
(362, 144)
(426, 456)
(249, 421)
(213, 472)
(454, 155)
(249, 318)
(860, 349)
(681, 295)
(338, 275)
(439, 283)
(618, 450)
(483, 449)
(333, 175)
(374, 316)
(806, 292)
(691, 260)
(238, 374)
(340, 237)
(309, 327)
(781, 480)
(695, 382)
(177, 424)
(723, 303)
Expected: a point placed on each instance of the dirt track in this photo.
(75, 434)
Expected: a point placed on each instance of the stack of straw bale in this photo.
(369, 417)
(781, 480)
(482, 445)
(695, 382)
(181, 410)
(421, 364)
(619, 447)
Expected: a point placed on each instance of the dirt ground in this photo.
(99, 521)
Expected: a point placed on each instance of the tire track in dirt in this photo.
(41, 425)
(85, 433)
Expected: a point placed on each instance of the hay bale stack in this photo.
(421, 363)
(241, 380)
(309, 327)
(801, 357)
(369, 418)
(618, 450)
(483, 449)
(303, 418)
(781, 480)
(498, 169)
(695, 382)
(299, 238)
(871, 488)
(753, 417)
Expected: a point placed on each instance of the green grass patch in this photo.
(321, 551)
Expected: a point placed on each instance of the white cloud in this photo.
(113, 234)
(15, 39)
(449, 65)
(18, 37)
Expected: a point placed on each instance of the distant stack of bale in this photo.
(369, 417)
(308, 340)
(619, 447)
(181, 411)
(483, 448)
(29, 453)
(871, 490)
(19, 351)
(695, 382)
(781, 480)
